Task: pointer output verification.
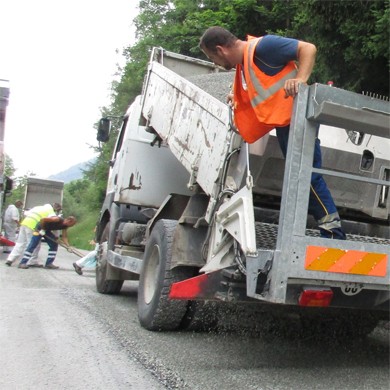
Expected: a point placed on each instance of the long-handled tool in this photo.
(69, 248)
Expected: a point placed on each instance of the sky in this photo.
(60, 58)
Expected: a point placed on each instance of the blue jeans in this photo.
(35, 240)
(321, 204)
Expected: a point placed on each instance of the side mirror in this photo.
(103, 133)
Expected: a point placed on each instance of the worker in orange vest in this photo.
(267, 80)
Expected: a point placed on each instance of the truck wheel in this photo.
(104, 285)
(155, 310)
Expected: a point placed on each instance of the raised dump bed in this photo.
(343, 150)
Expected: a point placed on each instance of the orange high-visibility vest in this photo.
(260, 105)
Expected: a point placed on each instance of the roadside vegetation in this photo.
(352, 38)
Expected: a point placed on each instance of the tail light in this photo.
(315, 297)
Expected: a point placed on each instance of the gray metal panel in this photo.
(352, 177)
(147, 175)
(174, 105)
(125, 262)
(142, 174)
(320, 93)
(45, 183)
(358, 119)
(183, 65)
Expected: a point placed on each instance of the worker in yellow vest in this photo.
(44, 230)
(28, 226)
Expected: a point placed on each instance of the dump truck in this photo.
(41, 191)
(205, 221)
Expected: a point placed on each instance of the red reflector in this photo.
(315, 298)
(188, 289)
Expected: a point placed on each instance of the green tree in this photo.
(352, 38)
(77, 201)
(9, 167)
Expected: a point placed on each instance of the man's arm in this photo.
(64, 237)
(306, 59)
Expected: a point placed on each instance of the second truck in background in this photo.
(41, 191)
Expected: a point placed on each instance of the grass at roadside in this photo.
(82, 233)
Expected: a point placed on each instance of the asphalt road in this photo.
(57, 332)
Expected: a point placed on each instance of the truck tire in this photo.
(155, 310)
(104, 285)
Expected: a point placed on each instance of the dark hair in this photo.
(57, 207)
(216, 36)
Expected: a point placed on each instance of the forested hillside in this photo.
(352, 38)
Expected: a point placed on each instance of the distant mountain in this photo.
(73, 173)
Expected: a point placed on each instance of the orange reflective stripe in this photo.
(345, 261)
(379, 269)
(349, 260)
(368, 263)
(324, 260)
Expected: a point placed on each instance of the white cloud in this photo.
(60, 58)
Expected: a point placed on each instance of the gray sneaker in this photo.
(9, 263)
(23, 266)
